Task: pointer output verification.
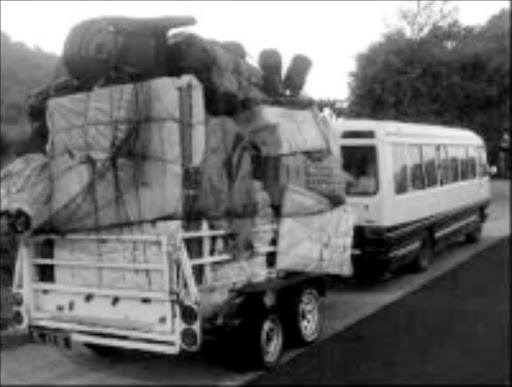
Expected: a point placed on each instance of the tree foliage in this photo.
(443, 73)
(22, 70)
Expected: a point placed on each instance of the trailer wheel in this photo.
(303, 316)
(265, 335)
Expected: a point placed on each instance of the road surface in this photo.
(454, 330)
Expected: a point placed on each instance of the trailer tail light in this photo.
(190, 339)
(189, 314)
(190, 328)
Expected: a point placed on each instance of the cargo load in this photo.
(119, 155)
(115, 152)
(25, 190)
(230, 83)
(318, 241)
(179, 201)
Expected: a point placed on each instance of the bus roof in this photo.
(382, 129)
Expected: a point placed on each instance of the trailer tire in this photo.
(303, 317)
(264, 334)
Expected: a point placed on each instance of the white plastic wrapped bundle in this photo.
(318, 242)
(117, 152)
(25, 186)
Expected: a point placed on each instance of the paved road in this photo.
(454, 330)
(345, 305)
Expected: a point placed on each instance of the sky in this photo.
(331, 33)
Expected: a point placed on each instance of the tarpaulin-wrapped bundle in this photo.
(296, 147)
(230, 83)
(37, 103)
(25, 189)
(106, 48)
(116, 152)
(226, 172)
(279, 130)
(317, 171)
(316, 243)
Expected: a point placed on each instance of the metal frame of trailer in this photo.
(166, 321)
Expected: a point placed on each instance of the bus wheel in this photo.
(303, 316)
(265, 334)
(475, 234)
(424, 257)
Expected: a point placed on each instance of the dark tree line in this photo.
(442, 73)
(22, 70)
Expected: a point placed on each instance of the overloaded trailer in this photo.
(159, 221)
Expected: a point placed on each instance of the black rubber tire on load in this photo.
(296, 74)
(303, 317)
(270, 63)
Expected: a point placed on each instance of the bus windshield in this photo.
(360, 166)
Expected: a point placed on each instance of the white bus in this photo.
(414, 187)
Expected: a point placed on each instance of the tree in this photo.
(22, 70)
(419, 17)
(446, 74)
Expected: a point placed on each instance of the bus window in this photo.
(482, 162)
(430, 165)
(360, 162)
(444, 164)
(472, 157)
(400, 170)
(454, 168)
(416, 165)
(464, 163)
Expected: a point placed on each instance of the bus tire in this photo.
(265, 336)
(424, 257)
(475, 234)
(302, 316)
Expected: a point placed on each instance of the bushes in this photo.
(8, 249)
